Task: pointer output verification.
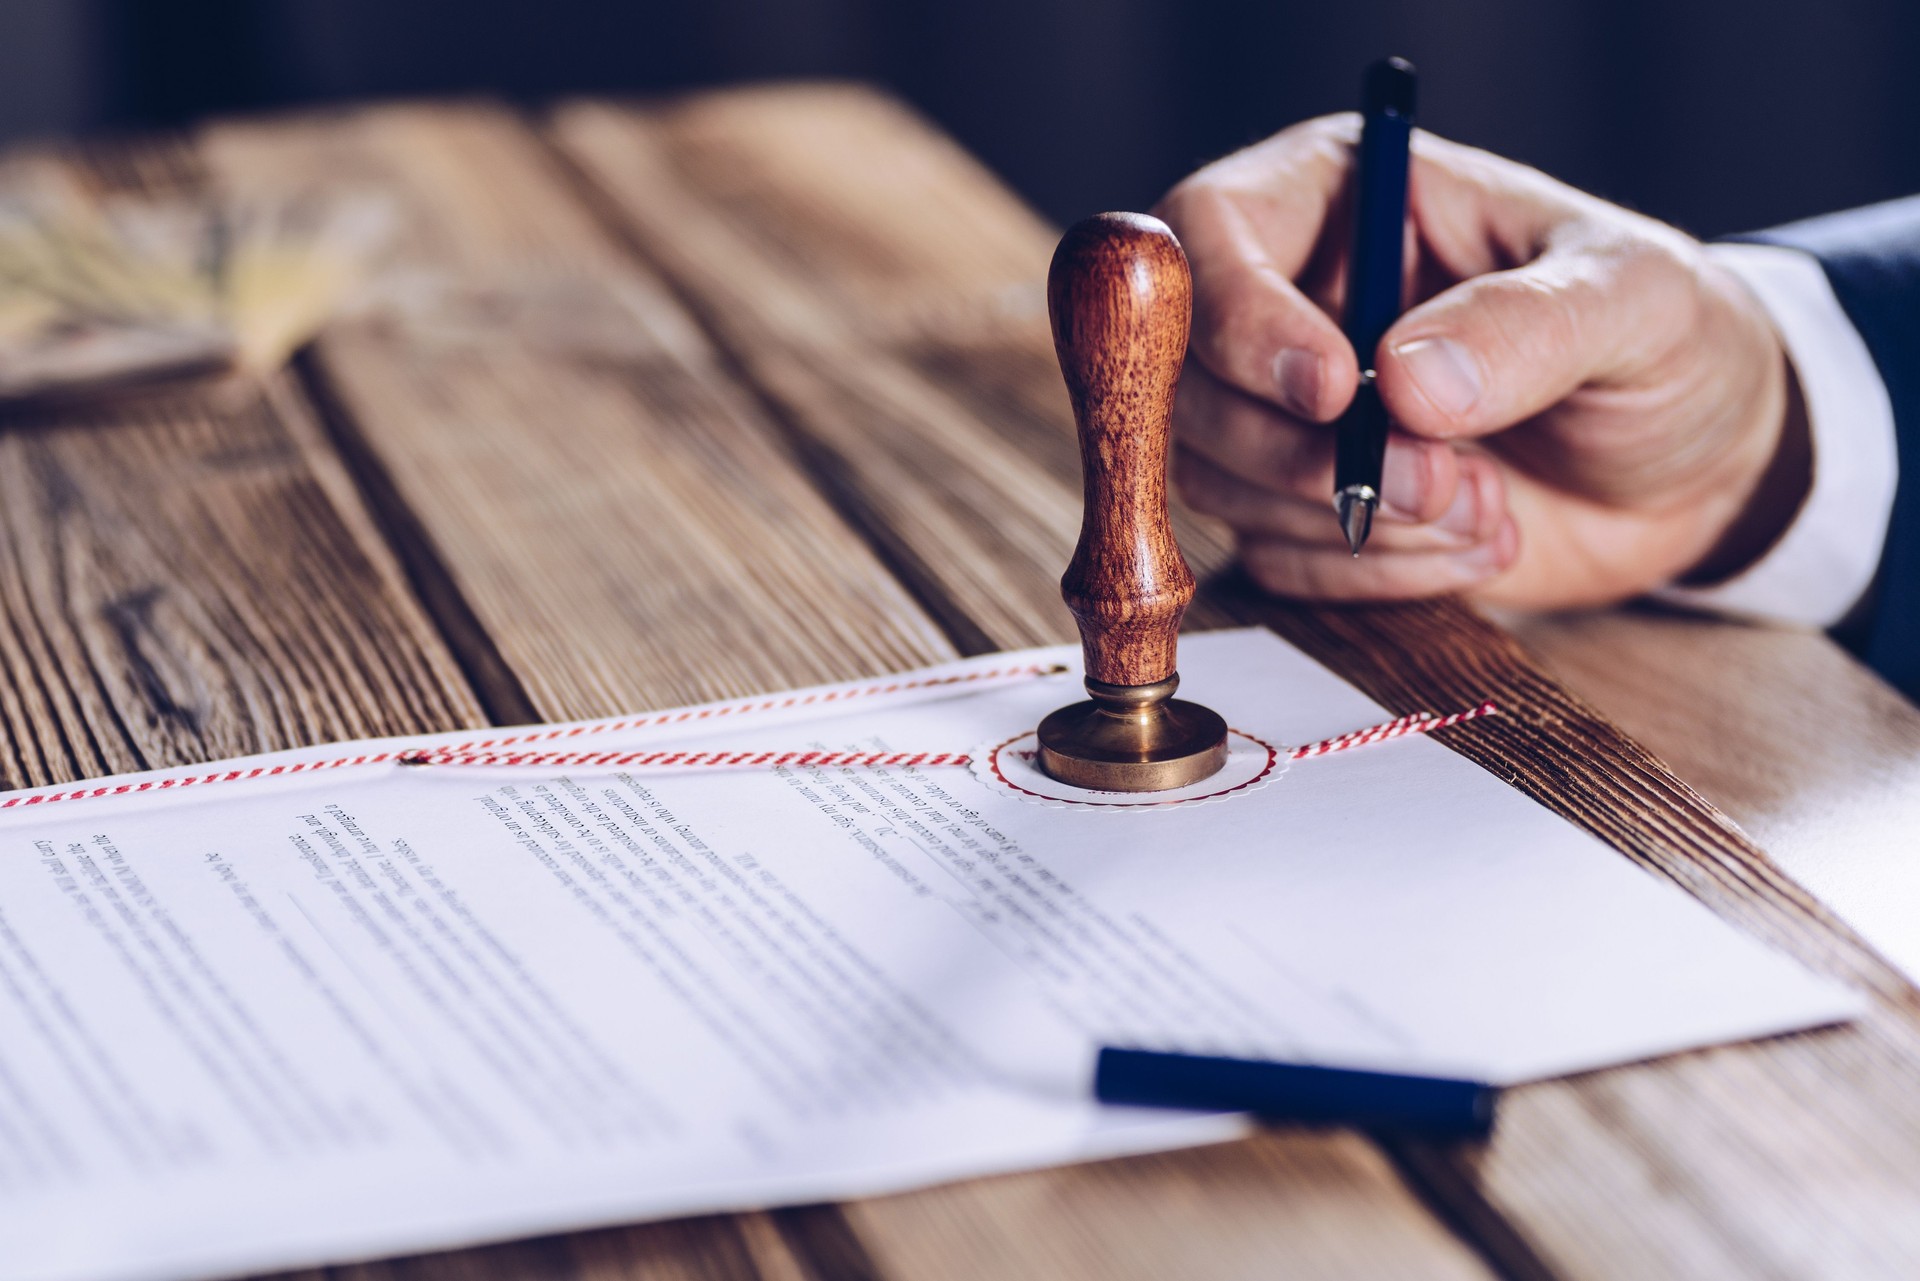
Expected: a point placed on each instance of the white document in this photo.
(309, 1017)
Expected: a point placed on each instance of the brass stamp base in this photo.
(1132, 738)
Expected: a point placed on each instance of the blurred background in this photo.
(1715, 114)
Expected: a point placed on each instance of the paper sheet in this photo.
(334, 1015)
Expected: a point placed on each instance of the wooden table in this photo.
(690, 400)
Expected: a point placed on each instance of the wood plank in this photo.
(181, 585)
(849, 312)
(1796, 1157)
(669, 488)
(617, 513)
(190, 576)
(1292, 1202)
(1810, 753)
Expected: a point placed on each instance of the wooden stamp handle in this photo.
(1121, 299)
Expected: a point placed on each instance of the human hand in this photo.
(1587, 406)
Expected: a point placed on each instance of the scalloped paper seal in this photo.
(1009, 768)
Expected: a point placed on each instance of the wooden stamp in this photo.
(1121, 299)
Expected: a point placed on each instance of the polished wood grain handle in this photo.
(1121, 299)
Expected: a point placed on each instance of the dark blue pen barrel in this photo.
(1378, 257)
(1432, 1106)
(1360, 446)
(1376, 269)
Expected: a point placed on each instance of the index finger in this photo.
(1251, 224)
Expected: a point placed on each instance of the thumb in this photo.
(1500, 348)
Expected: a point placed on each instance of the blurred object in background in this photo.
(99, 297)
(1715, 114)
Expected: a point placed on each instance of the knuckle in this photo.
(1299, 151)
(1266, 448)
(1199, 197)
(1658, 271)
(1301, 461)
(1669, 278)
(1270, 565)
(1540, 314)
(1648, 264)
(1231, 325)
(1191, 482)
(1174, 207)
(1555, 319)
(1340, 128)
(1326, 577)
(1194, 406)
(1286, 568)
(1327, 144)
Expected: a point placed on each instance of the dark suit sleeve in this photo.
(1872, 259)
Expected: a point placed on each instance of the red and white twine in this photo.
(414, 755)
(1417, 723)
(484, 752)
(679, 760)
(193, 780)
(815, 698)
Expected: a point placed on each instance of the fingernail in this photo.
(1444, 371)
(1506, 543)
(1494, 555)
(1296, 372)
(1462, 516)
(1403, 482)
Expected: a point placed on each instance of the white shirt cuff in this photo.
(1824, 563)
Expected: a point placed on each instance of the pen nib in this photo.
(1355, 505)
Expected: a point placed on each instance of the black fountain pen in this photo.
(1373, 287)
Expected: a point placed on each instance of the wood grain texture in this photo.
(1120, 298)
(809, 257)
(1291, 1203)
(178, 585)
(1795, 1157)
(225, 597)
(710, 1248)
(190, 576)
(622, 518)
(1810, 753)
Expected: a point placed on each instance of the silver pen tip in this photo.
(1355, 505)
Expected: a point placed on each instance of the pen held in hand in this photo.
(1373, 287)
